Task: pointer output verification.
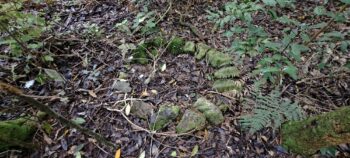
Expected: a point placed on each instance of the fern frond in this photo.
(227, 72)
(270, 111)
(227, 85)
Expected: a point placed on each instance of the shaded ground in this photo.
(91, 65)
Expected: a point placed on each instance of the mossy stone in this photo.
(16, 132)
(202, 49)
(218, 59)
(189, 47)
(191, 120)
(212, 113)
(227, 85)
(176, 46)
(224, 107)
(164, 116)
(307, 136)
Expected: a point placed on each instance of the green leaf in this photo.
(273, 14)
(344, 46)
(329, 151)
(53, 74)
(194, 150)
(270, 2)
(296, 51)
(286, 20)
(338, 17)
(173, 154)
(77, 154)
(125, 47)
(332, 35)
(320, 10)
(269, 70)
(78, 120)
(35, 45)
(272, 45)
(347, 65)
(228, 33)
(319, 25)
(291, 71)
(47, 58)
(345, 1)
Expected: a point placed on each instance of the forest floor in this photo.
(91, 65)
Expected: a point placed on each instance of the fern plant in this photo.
(232, 11)
(21, 30)
(270, 111)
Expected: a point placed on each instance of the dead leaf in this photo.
(127, 109)
(145, 93)
(123, 86)
(47, 139)
(206, 135)
(54, 75)
(92, 93)
(117, 153)
(194, 150)
(154, 91)
(143, 154)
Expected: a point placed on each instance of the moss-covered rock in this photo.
(224, 107)
(212, 112)
(189, 47)
(227, 85)
(218, 59)
(191, 120)
(16, 132)
(164, 116)
(227, 72)
(176, 46)
(307, 136)
(201, 51)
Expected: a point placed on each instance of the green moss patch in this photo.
(307, 136)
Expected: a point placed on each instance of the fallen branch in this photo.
(17, 92)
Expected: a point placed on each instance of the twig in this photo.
(319, 77)
(224, 95)
(17, 92)
(155, 61)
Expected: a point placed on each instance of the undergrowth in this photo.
(282, 58)
(281, 55)
(269, 111)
